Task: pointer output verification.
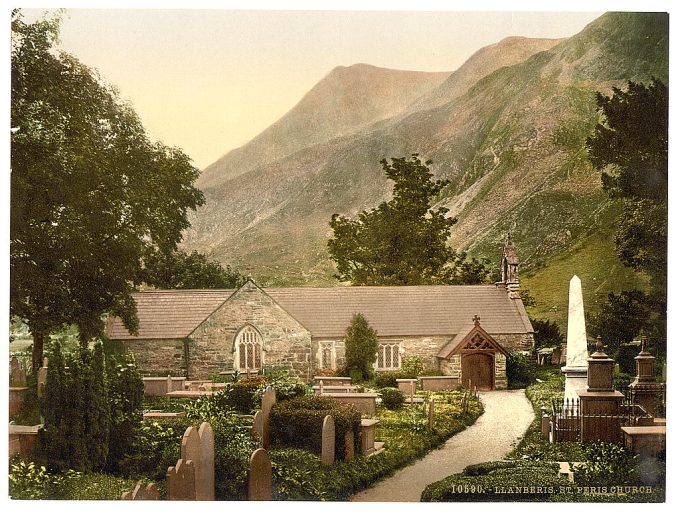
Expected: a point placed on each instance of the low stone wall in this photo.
(17, 397)
(646, 440)
(436, 383)
(23, 440)
(161, 386)
(365, 402)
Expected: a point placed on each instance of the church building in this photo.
(465, 330)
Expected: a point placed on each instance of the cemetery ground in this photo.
(297, 471)
(539, 471)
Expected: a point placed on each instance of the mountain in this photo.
(346, 100)
(512, 144)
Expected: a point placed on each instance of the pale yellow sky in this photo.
(209, 80)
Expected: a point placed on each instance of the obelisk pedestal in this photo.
(576, 369)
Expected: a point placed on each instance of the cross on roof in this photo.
(476, 320)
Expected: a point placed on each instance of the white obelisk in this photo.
(576, 369)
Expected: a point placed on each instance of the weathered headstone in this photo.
(321, 387)
(169, 384)
(17, 374)
(430, 415)
(268, 401)
(260, 476)
(576, 369)
(328, 441)
(349, 445)
(142, 493)
(181, 484)
(198, 446)
(42, 378)
(258, 426)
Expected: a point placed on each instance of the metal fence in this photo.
(569, 424)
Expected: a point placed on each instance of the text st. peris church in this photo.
(461, 330)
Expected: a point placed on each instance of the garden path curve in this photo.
(507, 415)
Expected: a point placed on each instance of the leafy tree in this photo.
(402, 241)
(91, 194)
(630, 148)
(361, 345)
(178, 270)
(625, 316)
(547, 333)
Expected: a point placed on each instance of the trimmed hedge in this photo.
(298, 422)
(392, 398)
(242, 394)
(526, 481)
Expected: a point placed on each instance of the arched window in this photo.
(388, 356)
(327, 355)
(248, 350)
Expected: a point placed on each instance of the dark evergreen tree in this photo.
(51, 443)
(125, 396)
(361, 345)
(96, 406)
(630, 148)
(402, 241)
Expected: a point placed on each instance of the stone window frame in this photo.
(395, 344)
(327, 344)
(259, 340)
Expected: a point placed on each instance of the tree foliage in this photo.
(630, 148)
(90, 192)
(547, 333)
(402, 241)
(361, 345)
(178, 270)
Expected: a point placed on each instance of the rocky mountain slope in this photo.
(346, 100)
(511, 142)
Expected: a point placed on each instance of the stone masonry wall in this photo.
(158, 357)
(286, 342)
(514, 341)
(501, 378)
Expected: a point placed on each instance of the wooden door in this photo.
(478, 370)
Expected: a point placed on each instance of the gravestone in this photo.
(328, 441)
(321, 387)
(142, 493)
(42, 378)
(576, 369)
(198, 446)
(180, 481)
(260, 476)
(258, 426)
(268, 401)
(430, 415)
(349, 445)
(17, 374)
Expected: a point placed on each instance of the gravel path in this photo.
(507, 415)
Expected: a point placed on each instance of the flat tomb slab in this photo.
(365, 401)
(189, 393)
(333, 380)
(163, 415)
(15, 429)
(436, 383)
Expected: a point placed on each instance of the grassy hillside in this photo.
(593, 259)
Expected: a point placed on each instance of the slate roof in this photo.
(326, 312)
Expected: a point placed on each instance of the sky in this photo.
(210, 80)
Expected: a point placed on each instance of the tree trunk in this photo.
(37, 355)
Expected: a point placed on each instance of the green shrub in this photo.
(243, 395)
(481, 483)
(607, 464)
(521, 370)
(361, 346)
(392, 398)
(412, 367)
(356, 375)
(625, 357)
(387, 379)
(297, 422)
(286, 388)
